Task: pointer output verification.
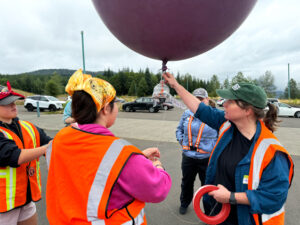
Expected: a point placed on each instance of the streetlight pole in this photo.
(289, 89)
(82, 44)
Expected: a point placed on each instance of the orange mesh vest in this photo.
(83, 169)
(14, 181)
(264, 151)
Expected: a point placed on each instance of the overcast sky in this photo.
(45, 34)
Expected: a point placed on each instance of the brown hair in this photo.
(84, 110)
(269, 118)
(212, 103)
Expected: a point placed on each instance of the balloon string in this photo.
(213, 209)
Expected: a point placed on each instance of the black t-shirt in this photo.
(233, 153)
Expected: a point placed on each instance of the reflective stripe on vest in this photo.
(190, 137)
(9, 174)
(48, 155)
(31, 132)
(258, 159)
(267, 217)
(101, 177)
(224, 127)
(257, 164)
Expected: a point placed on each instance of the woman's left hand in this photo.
(221, 195)
(152, 153)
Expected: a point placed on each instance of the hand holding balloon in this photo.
(221, 195)
(169, 79)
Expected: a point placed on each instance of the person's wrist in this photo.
(159, 165)
(232, 199)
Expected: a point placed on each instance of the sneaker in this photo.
(182, 210)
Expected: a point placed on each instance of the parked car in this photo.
(167, 105)
(121, 100)
(143, 103)
(220, 101)
(45, 102)
(286, 110)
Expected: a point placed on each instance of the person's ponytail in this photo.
(270, 118)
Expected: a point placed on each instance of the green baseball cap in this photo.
(246, 92)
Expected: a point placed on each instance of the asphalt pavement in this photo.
(158, 129)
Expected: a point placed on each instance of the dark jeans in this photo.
(190, 168)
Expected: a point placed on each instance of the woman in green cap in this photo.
(251, 168)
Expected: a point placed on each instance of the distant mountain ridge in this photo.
(63, 72)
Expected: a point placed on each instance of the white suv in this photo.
(45, 102)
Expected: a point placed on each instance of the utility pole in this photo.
(289, 89)
(82, 44)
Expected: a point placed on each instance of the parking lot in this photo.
(145, 129)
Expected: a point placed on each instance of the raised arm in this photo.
(189, 100)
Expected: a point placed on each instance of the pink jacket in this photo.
(147, 183)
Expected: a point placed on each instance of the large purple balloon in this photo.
(173, 29)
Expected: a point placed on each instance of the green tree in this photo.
(108, 73)
(142, 87)
(132, 90)
(154, 82)
(52, 88)
(148, 82)
(56, 78)
(294, 90)
(214, 85)
(226, 84)
(240, 78)
(38, 86)
(266, 81)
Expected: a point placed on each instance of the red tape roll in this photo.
(217, 219)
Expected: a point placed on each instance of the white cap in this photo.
(200, 92)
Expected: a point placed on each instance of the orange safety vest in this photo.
(190, 137)
(263, 152)
(14, 181)
(83, 169)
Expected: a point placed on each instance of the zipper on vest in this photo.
(133, 222)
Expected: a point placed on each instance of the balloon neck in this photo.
(164, 65)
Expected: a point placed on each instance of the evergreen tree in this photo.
(148, 82)
(226, 84)
(294, 90)
(266, 81)
(58, 80)
(240, 78)
(142, 87)
(214, 85)
(132, 90)
(52, 88)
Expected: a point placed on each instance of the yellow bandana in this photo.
(100, 90)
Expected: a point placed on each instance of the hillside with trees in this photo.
(141, 83)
